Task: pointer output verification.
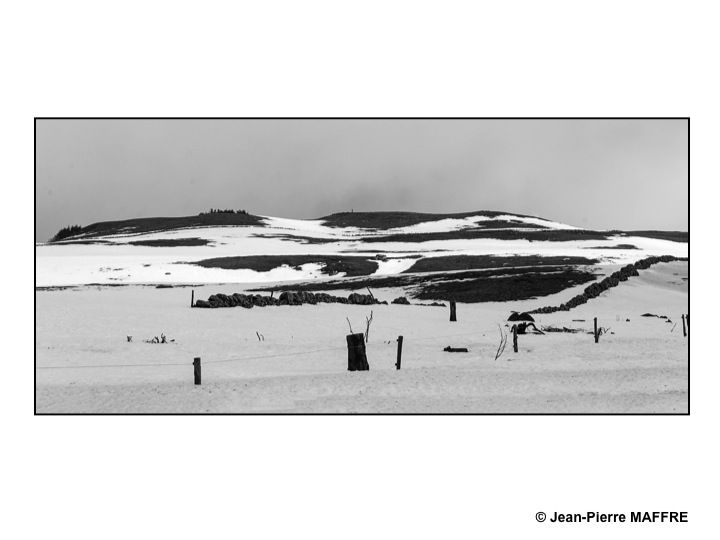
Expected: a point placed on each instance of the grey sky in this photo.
(625, 174)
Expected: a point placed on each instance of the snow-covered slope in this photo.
(167, 256)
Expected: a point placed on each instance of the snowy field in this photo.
(84, 363)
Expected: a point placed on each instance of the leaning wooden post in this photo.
(453, 315)
(595, 331)
(687, 320)
(684, 331)
(399, 352)
(514, 331)
(192, 298)
(196, 366)
(357, 359)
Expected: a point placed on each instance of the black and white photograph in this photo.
(359, 270)
(462, 266)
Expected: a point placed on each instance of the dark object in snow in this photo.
(357, 359)
(522, 328)
(515, 316)
(401, 300)
(163, 286)
(653, 315)
(455, 349)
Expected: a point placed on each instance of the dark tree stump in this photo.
(453, 314)
(514, 332)
(357, 359)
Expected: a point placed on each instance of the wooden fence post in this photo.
(687, 320)
(453, 315)
(192, 298)
(196, 366)
(357, 359)
(684, 331)
(399, 352)
(514, 331)
(595, 331)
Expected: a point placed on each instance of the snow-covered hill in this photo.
(271, 249)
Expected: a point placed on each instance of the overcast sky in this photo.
(625, 174)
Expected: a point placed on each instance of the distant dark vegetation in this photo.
(390, 220)
(529, 284)
(619, 246)
(218, 211)
(294, 238)
(473, 262)
(352, 266)
(171, 242)
(551, 235)
(674, 236)
(495, 285)
(65, 232)
(157, 224)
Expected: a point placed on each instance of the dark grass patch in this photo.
(473, 262)
(155, 224)
(504, 288)
(619, 246)
(352, 266)
(391, 220)
(79, 242)
(171, 242)
(549, 235)
(299, 239)
(674, 236)
(494, 285)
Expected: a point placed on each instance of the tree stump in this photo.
(357, 359)
(453, 314)
(514, 332)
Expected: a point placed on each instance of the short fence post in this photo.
(514, 331)
(399, 352)
(684, 331)
(595, 331)
(192, 298)
(357, 359)
(453, 315)
(687, 320)
(196, 366)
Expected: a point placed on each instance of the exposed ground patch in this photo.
(504, 288)
(391, 220)
(473, 262)
(171, 242)
(352, 266)
(674, 236)
(155, 224)
(494, 285)
(547, 235)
